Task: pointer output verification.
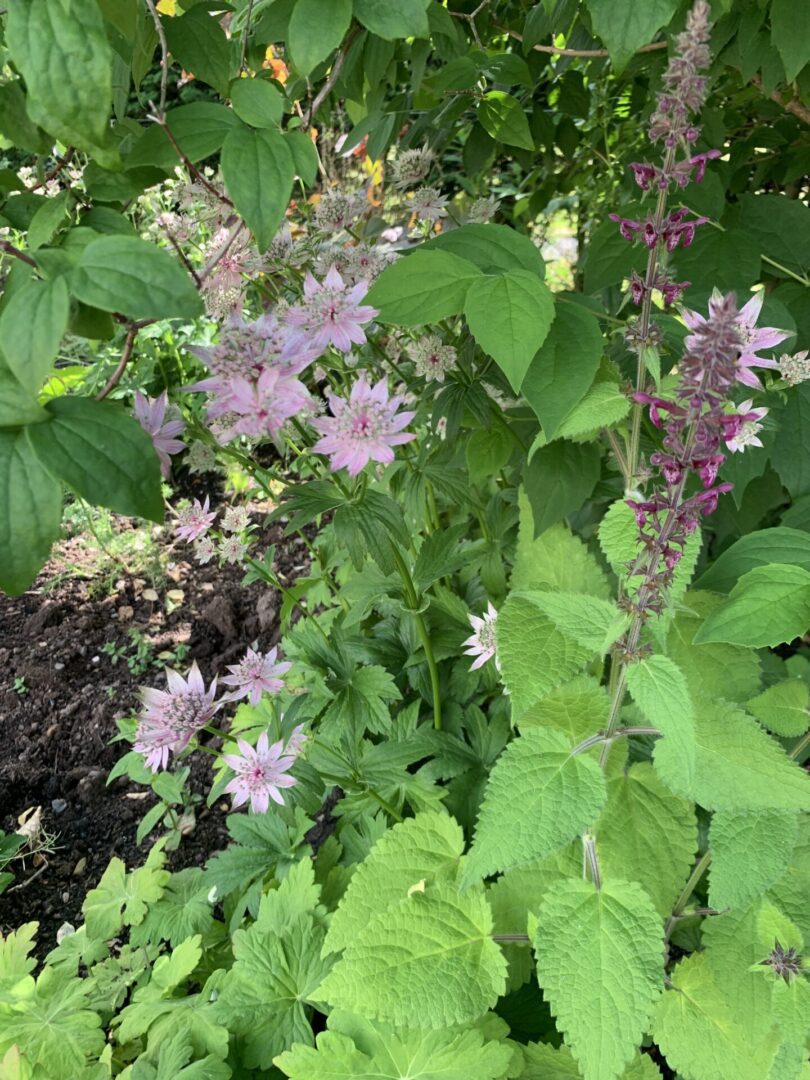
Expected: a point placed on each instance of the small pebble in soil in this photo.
(58, 806)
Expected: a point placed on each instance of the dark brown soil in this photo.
(56, 726)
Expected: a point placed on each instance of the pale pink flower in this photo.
(170, 718)
(260, 772)
(265, 405)
(162, 423)
(744, 427)
(256, 674)
(795, 369)
(362, 429)
(232, 549)
(481, 643)
(194, 521)
(765, 337)
(331, 314)
(296, 741)
(204, 550)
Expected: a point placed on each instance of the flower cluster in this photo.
(232, 540)
(431, 357)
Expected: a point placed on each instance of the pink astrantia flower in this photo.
(362, 429)
(260, 772)
(263, 405)
(481, 643)
(331, 314)
(171, 717)
(194, 521)
(295, 743)
(162, 422)
(753, 339)
(256, 674)
(742, 427)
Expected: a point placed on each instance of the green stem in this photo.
(701, 866)
(389, 809)
(803, 742)
(412, 601)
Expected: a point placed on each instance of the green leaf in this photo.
(778, 545)
(121, 899)
(625, 27)
(502, 117)
(406, 18)
(61, 51)
(262, 843)
(30, 513)
(750, 852)
(727, 260)
(258, 170)
(32, 325)
(609, 258)
(778, 224)
(355, 1047)
(317, 28)
(788, 454)
(198, 41)
(487, 452)
(556, 559)
(783, 708)
(578, 708)
(538, 798)
(128, 275)
(790, 33)
(659, 689)
(47, 219)
(493, 248)
(700, 1035)
(559, 479)
(737, 766)
(509, 316)
(562, 371)
(604, 405)
(768, 605)
(15, 123)
(15, 961)
(589, 622)
(422, 288)
(257, 101)
(304, 155)
(182, 911)
(101, 453)
(647, 835)
(198, 128)
(600, 963)
(399, 967)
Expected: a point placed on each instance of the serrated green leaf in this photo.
(559, 478)
(604, 405)
(120, 898)
(624, 27)
(768, 605)
(316, 29)
(538, 798)
(30, 512)
(589, 622)
(647, 835)
(182, 911)
(128, 275)
(32, 325)
(102, 453)
(579, 708)
(659, 689)
(414, 851)
(750, 852)
(493, 248)
(600, 963)
(546, 1062)
(258, 170)
(509, 316)
(15, 959)
(263, 842)
(556, 559)
(783, 708)
(791, 890)
(761, 548)
(501, 115)
(423, 287)
(397, 969)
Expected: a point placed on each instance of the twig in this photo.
(220, 254)
(11, 250)
(65, 159)
(333, 77)
(555, 50)
(160, 118)
(245, 35)
(183, 257)
(164, 49)
(470, 18)
(126, 355)
(27, 882)
(794, 106)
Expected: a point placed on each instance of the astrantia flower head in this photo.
(331, 313)
(428, 204)
(232, 549)
(204, 550)
(256, 674)
(481, 643)
(264, 405)
(483, 210)
(432, 357)
(194, 521)
(335, 211)
(200, 458)
(411, 166)
(362, 429)
(171, 717)
(162, 422)
(795, 369)
(236, 519)
(260, 772)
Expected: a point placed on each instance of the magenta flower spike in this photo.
(163, 424)
(261, 772)
(254, 675)
(751, 337)
(171, 718)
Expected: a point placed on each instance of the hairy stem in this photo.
(412, 600)
(701, 866)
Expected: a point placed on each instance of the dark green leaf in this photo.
(258, 170)
(47, 219)
(15, 123)
(779, 545)
(257, 102)
(790, 33)
(403, 19)
(31, 327)
(30, 512)
(503, 117)
(422, 288)
(488, 452)
(609, 258)
(198, 41)
(779, 225)
(493, 248)
(199, 129)
(727, 260)
(102, 453)
(317, 28)
(304, 155)
(790, 457)
(625, 25)
(558, 479)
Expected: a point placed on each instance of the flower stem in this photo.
(701, 866)
(412, 600)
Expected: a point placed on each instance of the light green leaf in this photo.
(258, 170)
(61, 51)
(545, 1062)
(586, 620)
(120, 898)
(660, 691)
(32, 325)
(199, 129)
(761, 548)
(750, 852)
(600, 963)
(792, 889)
(102, 453)
(604, 405)
(564, 367)
(257, 102)
(509, 316)
(128, 275)
(768, 605)
(30, 512)
(556, 559)
(493, 248)
(783, 708)
(182, 911)
(538, 798)
(647, 835)
(317, 28)
(15, 959)
(47, 219)
(414, 851)
(502, 117)
(696, 1028)
(406, 18)
(398, 969)
(198, 41)
(423, 287)
(624, 26)
(579, 708)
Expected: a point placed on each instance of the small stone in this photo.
(80, 867)
(52, 730)
(150, 595)
(58, 666)
(58, 806)
(66, 929)
(125, 612)
(95, 659)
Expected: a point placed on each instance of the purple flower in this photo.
(331, 314)
(162, 422)
(752, 338)
(194, 521)
(362, 429)
(481, 643)
(742, 427)
(170, 718)
(260, 772)
(254, 675)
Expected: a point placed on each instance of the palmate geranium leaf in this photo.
(122, 899)
(183, 910)
(15, 961)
